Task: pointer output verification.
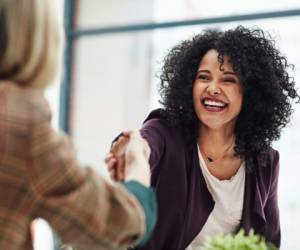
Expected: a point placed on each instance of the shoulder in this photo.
(159, 132)
(22, 112)
(156, 121)
(24, 105)
(271, 160)
(273, 156)
(268, 165)
(156, 118)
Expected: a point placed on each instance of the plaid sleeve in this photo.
(147, 199)
(85, 210)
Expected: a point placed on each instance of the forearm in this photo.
(147, 199)
(141, 171)
(95, 214)
(82, 207)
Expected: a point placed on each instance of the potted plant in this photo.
(239, 241)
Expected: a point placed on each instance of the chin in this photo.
(213, 125)
(209, 121)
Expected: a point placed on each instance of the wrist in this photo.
(139, 171)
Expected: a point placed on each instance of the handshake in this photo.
(128, 159)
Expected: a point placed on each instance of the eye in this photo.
(203, 77)
(230, 80)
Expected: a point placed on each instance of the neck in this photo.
(216, 142)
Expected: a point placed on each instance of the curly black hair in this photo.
(267, 87)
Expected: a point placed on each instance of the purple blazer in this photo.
(184, 202)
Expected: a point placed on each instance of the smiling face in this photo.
(217, 94)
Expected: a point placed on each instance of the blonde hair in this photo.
(30, 42)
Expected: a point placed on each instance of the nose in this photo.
(213, 89)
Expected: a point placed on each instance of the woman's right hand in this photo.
(137, 159)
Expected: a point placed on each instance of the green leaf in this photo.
(239, 241)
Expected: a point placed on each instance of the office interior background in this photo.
(113, 55)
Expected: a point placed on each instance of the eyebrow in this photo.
(203, 71)
(229, 73)
(208, 72)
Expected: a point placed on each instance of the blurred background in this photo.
(113, 55)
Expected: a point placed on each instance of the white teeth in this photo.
(214, 103)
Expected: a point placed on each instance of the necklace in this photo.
(211, 160)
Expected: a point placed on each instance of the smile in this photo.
(213, 105)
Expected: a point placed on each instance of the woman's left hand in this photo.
(115, 159)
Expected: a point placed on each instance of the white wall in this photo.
(111, 77)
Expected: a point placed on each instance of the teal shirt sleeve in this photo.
(147, 199)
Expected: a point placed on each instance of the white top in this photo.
(229, 198)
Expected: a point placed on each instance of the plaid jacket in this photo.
(39, 177)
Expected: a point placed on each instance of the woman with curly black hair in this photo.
(226, 97)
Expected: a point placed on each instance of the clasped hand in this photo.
(128, 158)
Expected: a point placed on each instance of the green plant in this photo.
(239, 241)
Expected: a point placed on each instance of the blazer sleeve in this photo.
(153, 132)
(82, 207)
(272, 230)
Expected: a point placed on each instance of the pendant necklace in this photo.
(210, 160)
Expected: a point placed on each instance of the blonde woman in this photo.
(39, 175)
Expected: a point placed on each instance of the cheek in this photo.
(238, 102)
(197, 90)
(196, 97)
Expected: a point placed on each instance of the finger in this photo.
(114, 148)
(111, 164)
(119, 147)
(120, 167)
(109, 157)
(126, 133)
(110, 160)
